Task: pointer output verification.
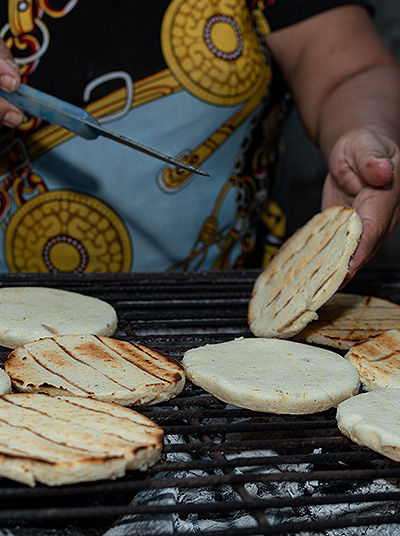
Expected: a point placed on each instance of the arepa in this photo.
(5, 383)
(347, 319)
(99, 367)
(30, 313)
(57, 440)
(378, 360)
(272, 375)
(372, 420)
(304, 274)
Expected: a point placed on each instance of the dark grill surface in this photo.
(223, 466)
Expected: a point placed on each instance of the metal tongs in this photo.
(79, 121)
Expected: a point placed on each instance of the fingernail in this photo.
(12, 119)
(8, 82)
(12, 64)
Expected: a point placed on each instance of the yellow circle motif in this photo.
(211, 48)
(224, 37)
(65, 231)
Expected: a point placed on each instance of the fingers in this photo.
(371, 156)
(9, 72)
(9, 81)
(379, 212)
(342, 192)
(365, 175)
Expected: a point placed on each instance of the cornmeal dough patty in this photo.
(372, 420)
(272, 375)
(64, 440)
(30, 313)
(99, 367)
(304, 274)
(348, 319)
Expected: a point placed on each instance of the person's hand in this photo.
(364, 173)
(9, 81)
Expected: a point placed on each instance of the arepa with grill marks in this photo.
(64, 440)
(377, 360)
(304, 274)
(98, 367)
(348, 319)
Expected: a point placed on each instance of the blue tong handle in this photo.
(53, 110)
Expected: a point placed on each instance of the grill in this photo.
(224, 470)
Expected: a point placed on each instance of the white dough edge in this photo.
(372, 420)
(199, 371)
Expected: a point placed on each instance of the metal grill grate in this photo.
(227, 467)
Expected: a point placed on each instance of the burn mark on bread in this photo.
(55, 449)
(94, 366)
(57, 373)
(49, 329)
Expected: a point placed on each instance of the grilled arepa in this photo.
(372, 420)
(98, 367)
(272, 375)
(304, 274)
(348, 319)
(63, 440)
(5, 383)
(377, 360)
(30, 313)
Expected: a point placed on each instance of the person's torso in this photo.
(188, 78)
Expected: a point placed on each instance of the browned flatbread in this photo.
(378, 360)
(99, 367)
(304, 274)
(63, 440)
(347, 319)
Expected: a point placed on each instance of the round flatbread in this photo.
(62, 440)
(272, 375)
(347, 319)
(30, 313)
(304, 274)
(99, 367)
(5, 383)
(378, 360)
(372, 420)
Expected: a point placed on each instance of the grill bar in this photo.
(57, 514)
(347, 475)
(310, 443)
(115, 487)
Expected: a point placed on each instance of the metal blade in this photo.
(143, 148)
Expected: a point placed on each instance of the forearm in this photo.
(341, 75)
(369, 99)
(346, 86)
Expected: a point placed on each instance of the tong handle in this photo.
(52, 110)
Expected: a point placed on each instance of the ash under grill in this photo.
(224, 470)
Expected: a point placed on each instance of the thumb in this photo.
(376, 171)
(371, 156)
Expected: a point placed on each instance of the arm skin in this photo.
(9, 81)
(346, 86)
